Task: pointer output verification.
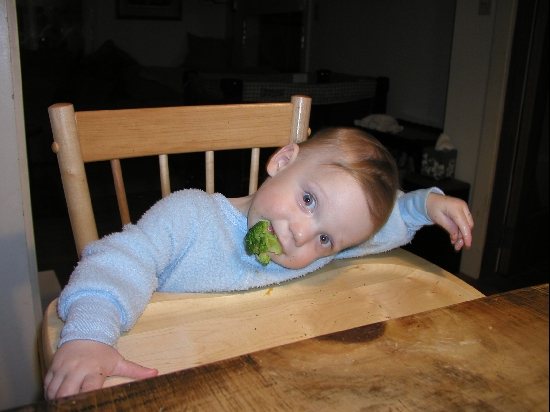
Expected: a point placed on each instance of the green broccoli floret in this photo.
(259, 240)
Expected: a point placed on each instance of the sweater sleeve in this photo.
(409, 214)
(92, 317)
(413, 209)
(114, 280)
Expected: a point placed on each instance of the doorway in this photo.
(280, 43)
(270, 36)
(516, 249)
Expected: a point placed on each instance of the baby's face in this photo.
(315, 210)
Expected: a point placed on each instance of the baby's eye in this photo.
(325, 241)
(309, 201)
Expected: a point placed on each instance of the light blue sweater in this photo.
(191, 241)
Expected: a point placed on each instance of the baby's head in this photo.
(329, 193)
(366, 160)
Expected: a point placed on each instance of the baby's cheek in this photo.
(293, 261)
(281, 260)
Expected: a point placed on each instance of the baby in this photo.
(334, 196)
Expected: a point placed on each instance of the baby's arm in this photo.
(411, 212)
(427, 206)
(86, 356)
(83, 365)
(106, 294)
(454, 216)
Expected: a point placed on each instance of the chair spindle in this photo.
(120, 192)
(209, 160)
(164, 175)
(254, 170)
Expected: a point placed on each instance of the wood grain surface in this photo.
(137, 132)
(181, 331)
(488, 354)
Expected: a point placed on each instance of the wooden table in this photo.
(487, 354)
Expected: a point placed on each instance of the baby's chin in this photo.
(288, 262)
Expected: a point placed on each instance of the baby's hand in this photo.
(454, 216)
(83, 365)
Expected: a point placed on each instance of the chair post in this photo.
(164, 175)
(73, 175)
(254, 170)
(209, 165)
(123, 208)
(300, 118)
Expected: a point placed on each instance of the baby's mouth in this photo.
(272, 231)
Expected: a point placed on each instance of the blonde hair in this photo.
(364, 158)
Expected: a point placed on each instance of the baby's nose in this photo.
(301, 232)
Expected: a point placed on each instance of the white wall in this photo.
(410, 42)
(447, 66)
(477, 92)
(471, 54)
(20, 309)
(153, 42)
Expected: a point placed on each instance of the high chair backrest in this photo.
(89, 136)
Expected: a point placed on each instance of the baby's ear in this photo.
(282, 158)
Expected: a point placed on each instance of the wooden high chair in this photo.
(179, 331)
(91, 136)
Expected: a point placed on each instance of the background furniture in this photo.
(407, 145)
(336, 102)
(469, 356)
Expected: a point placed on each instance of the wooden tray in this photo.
(181, 331)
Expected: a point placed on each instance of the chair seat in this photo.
(180, 330)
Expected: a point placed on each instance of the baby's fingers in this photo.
(130, 369)
(459, 231)
(78, 383)
(457, 220)
(53, 381)
(464, 223)
(62, 385)
(458, 244)
(92, 381)
(51, 385)
(451, 227)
